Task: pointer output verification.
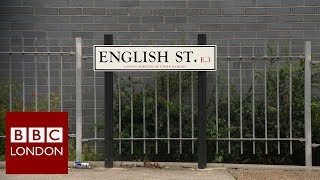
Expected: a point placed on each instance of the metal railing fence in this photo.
(165, 111)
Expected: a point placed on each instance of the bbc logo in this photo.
(36, 135)
(37, 143)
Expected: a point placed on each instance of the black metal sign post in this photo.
(202, 112)
(108, 110)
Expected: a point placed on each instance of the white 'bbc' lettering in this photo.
(36, 135)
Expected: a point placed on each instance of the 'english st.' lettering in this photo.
(134, 56)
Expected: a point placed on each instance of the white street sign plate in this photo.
(154, 58)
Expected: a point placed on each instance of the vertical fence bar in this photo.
(253, 102)
(120, 113)
(49, 77)
(168, 112)
(131, 105)
(229, 108)
(290, 94)
(36, 75)
(192, 112)
(180, 112)
(265, 100)
(108, 111)
(144, 115)
(278, 98)
(217, 110)
(61, 79)
(202, 112)
(95, 110)
(156, 108)
(78, 100)
(23, 79)
(10, 76)
(241, 134)
(307, 104)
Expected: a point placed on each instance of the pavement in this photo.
(132, 170)
(177, 170)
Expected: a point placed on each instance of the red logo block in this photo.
(37, 143)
